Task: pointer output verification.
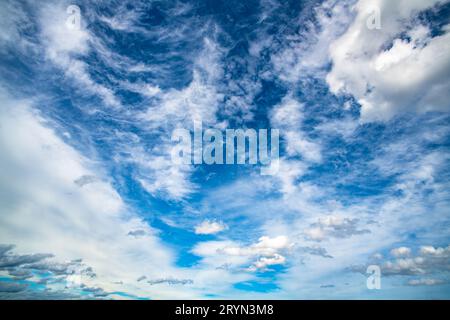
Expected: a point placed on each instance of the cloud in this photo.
(12, 287)
(288, 117)
(386, 72)
(265, 246)
(170, 281)
(20, 274)
(425, 282)
(305, 53)
(93, 220)
(316, 251)
(179, 108)
(358, 188)
(428, 261)
(84, 180)
(12, 260)
(64, 46)
(257, 256)
(263, 262)
(401, 252)
(137, 233)
(334, 227)
(210, 227)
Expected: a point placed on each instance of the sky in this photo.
(92, 206)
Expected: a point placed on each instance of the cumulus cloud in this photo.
(428, 261)
(389, 73)
(265, 252)
(210, 227)
(401, 252)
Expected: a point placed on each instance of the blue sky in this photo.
(92, 206)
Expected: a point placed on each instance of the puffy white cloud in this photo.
(263, 262)
(257, 256)
(388, 73)
(210, 227)
(401, 252)
(267, 249)
(428, 261)
(435, 252)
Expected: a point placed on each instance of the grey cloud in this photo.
(7, 261)
(425, 282)
(67, 268)
(332, 227)
(21, 267)
(96, 291)
(141, 278)
(427, 261)
(20, 274)
(137, 233)
(39, 295)
(55, 268)
(84, 180)
(316, 251)
(12, 287)
(4, 248)
(171, 281)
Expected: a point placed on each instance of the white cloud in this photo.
(406, 76)
(59, 38)
(257, 256)
(306, 53)
(210, 227)
(401, 252)
(264, 262)
(288, 117)
(64, 46)
(45, 211)
(435, 252)
(198, 101)
(179, 108)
